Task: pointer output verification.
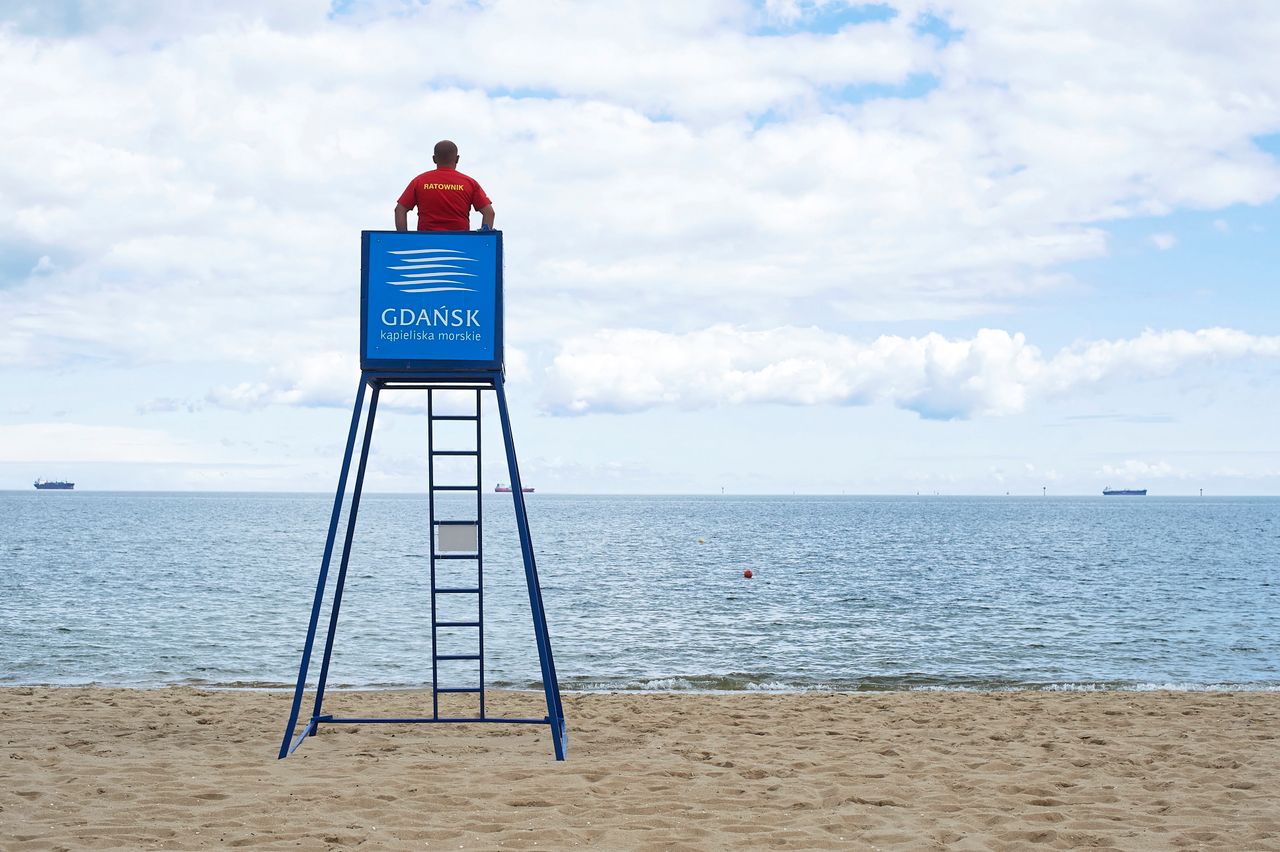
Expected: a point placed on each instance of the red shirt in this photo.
(444, 198)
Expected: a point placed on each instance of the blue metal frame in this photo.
(550, 683)
(441, 378)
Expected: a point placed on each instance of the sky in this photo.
(966, 247)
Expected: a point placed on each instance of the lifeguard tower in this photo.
(431, 319)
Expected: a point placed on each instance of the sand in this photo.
(186, 769)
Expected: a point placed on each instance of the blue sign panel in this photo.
(431, 300)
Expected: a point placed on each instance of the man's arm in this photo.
(402, 217)
(486, 216)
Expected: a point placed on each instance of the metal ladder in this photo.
(455, 540)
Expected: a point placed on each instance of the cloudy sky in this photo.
(966, 247)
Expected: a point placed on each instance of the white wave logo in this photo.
(438, 268)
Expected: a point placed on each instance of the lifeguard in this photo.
(444, 196)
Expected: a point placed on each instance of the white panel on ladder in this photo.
(454, 538)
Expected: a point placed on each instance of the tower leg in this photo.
(285, 746)
(346, 555)
(550, 683)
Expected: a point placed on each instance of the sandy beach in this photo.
(184, 768)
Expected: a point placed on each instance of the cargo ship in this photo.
(506, 489)
(53, 485)
(1124, 492)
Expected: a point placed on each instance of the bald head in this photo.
(446, 153)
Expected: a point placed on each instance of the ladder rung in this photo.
(457, 624)
(454, 417)
(459, 689)
(457, 656)
(455, 488)
(457, 591)
(455, 452)
(456, 555)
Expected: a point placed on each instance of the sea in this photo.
(649, 593)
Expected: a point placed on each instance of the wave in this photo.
(418, 273)
(437, 274)
(426, 261)
(771, 682)
(711, 683)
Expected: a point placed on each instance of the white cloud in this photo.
(78, 442)
(327, 379)
(1133, 470)
(186, 189)
(654, 164)
(993, 373)
(1164, 242)
(168, 405)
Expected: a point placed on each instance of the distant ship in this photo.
(504, 489)
(1124, 492)
(54, 485)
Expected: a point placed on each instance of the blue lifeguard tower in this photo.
(431, 319)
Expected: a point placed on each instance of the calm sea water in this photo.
(648, 593)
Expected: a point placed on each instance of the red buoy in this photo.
(747, 573)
